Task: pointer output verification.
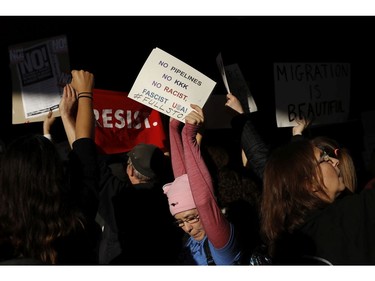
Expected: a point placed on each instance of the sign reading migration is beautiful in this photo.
(318, 91)
(169, 85)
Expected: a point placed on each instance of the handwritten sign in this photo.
(169, 85)
(319, 91)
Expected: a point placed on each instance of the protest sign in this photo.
(168, 85)
(318, 91)
(221, 67)
(121, 123)
(236, 84)
(39, 70)
(239, 87)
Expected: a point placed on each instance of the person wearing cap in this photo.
(211, 238)
(137, 228)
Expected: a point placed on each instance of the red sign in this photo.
(121, 123)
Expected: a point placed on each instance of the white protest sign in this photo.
(220, 66)
(232, 76)
(239, 87)
(40, 69)
(319, 91)
(169, 85)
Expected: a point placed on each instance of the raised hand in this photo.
(302, 124)
(47, 124)
(68, 105)
(234, 103)
(82, 81)
(68, 112)
(196, 116)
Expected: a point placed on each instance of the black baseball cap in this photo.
(148, 159)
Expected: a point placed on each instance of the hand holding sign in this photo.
(315, 90)
(232, 76)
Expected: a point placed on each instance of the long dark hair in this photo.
(290, 175)
(34, 205)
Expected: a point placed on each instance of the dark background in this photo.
(115, 48)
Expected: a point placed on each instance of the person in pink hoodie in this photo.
(211, 238)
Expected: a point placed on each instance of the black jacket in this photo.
(138, 227)
(343, 233)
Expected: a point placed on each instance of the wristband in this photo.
(90, 93)
(84, 96)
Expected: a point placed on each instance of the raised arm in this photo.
(177, 150)
(83, 158)
(83, 83)
(234, 104)
(47, 124)
(68, 112)
(216, 226)
(254, 150)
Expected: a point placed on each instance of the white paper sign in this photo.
(220, 66)
(169, 85)
(239, 87)
(40, 69)
(319, 91)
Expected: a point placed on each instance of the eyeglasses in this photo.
(333, 153)
(324, 157)
(190, 220)
(327, 154)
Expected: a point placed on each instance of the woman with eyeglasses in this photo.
(301, 219)
(255, 149)
(284, 211)
(211, 238)
(334, 151)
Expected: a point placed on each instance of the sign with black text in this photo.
(318, 91)
(40, 69)
(169, 85)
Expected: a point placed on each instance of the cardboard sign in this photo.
(319, 91)
(39, 70)
(239, 87)
(169, 85)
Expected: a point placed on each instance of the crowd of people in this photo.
(298, 203)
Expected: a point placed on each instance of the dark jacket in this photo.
(81, 248)
(252, 143)
(343, 233)
(138, 227)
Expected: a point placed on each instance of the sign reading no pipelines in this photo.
(169, 85)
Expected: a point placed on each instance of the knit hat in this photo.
(148, 159)
(179, 195)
